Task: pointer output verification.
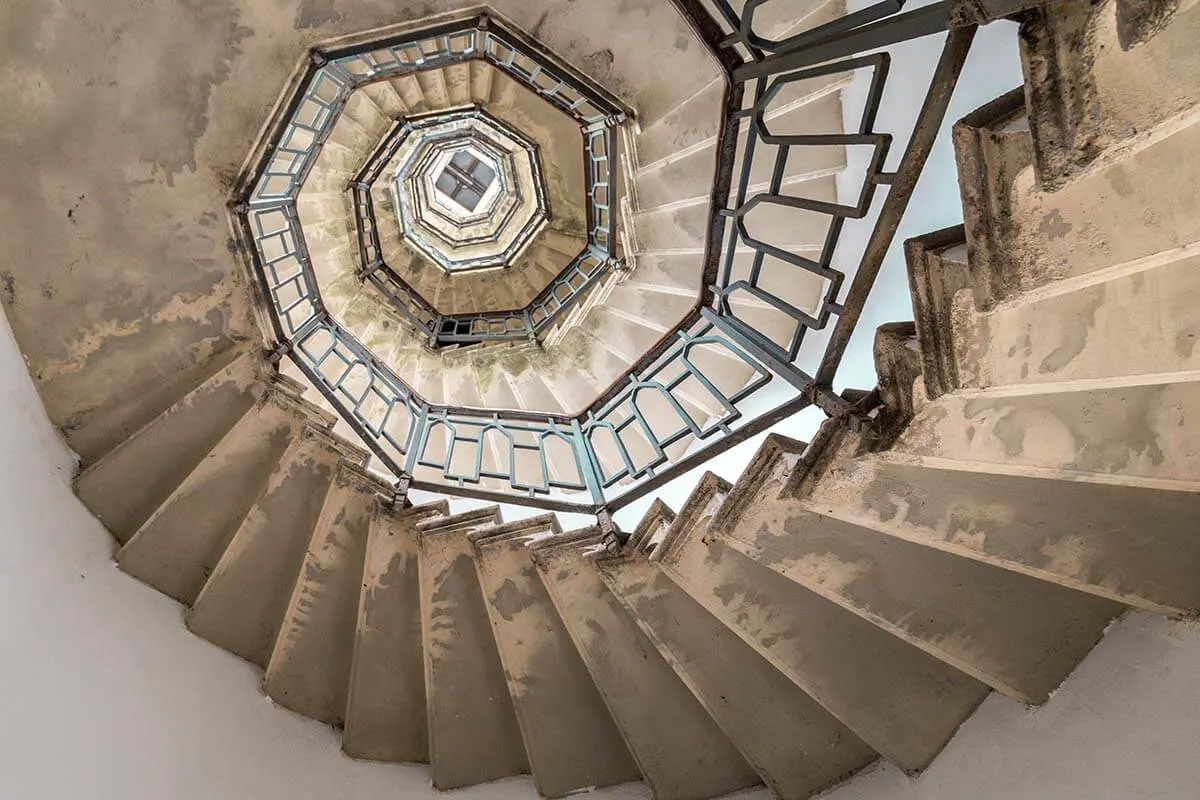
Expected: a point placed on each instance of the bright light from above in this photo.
(465, 179)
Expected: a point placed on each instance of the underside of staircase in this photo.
(1027, 468)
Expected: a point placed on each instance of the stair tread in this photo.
(385, 709)
(177, 548)
(242, 604)
(473, 732)
(125, 487)
(680, 750)
(571, 740)
(309, 667)
(796, 746)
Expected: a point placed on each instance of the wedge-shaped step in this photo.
(681, 751)
(689, 177)
(1098, 328)
(473, 731)
(243, 603)
(1020, 635)
(897, 698)
(571, 740)
(385, 710)
(1104, 73)
(179, 546)
(125, 487)
(1038, 236)
(1141, 429)
(796, 746)
(1128, 543)
(309, 671)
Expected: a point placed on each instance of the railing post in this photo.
(610, 535)
(587, 464)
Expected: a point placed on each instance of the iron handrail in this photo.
(422, 449)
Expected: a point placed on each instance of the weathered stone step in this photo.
(689, 176)
(1020, 635)
(1022, 235)
(125, 487)
(571, 740)
(795, 746)
(177, 548)
(433, 88)
(309, 669)
(795, 230)
(1094, 327)
(243, 602)
(1102, 75)
(681, 752)
(385, 708)
(897, 698)
(473, 732)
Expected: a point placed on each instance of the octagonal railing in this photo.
(616, 451)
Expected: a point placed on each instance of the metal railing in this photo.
(675, 408)
(598, 117)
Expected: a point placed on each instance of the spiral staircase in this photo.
(1022, 474)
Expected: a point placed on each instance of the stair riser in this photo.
(1142, 433)
(473, 731)
(774, 724)
(571, 740)
(1124, 543)
(1097, 331)
(679, 749)
(180, 545)
(126, 487)
(385, 710)
(243, 603)
(309, 671)
(902, 702)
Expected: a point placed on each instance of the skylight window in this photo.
(465, 179)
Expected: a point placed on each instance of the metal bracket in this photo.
(400, 495)
(610, 535)
(278, 352)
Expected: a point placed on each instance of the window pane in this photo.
(468, 198)
(447, 184)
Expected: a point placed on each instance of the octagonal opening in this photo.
(465, 179)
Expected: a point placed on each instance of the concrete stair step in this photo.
(180, 544)
(789, 17)
(124, 488)
(144, 395)
(1022, 235)
(458, 84)
(687, 175)
(385, 709)
(680, 750)
(433, 88)
(473, 732)
(795, 746)
(685, 228)
(693, 123)
(242, 604)
(571, 740)
(410, 92)
(897, 698)
(481, 80)
(1091, 327)
(384, 95)
(1101, 77)
(1019, 635)
(309, 669)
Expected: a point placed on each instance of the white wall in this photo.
(1124, 726)
(103, 692)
